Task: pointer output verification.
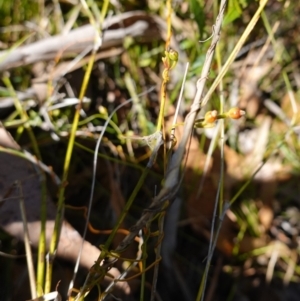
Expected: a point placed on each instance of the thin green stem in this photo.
(42, 240)
(61, 193)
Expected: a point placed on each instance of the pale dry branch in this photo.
(134, 24)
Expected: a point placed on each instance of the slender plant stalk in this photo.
(94, 273)
(42, 240)
(206, 98)
(169, 61)
(219, 196)
(97, 43)
(172, 134)
(16, 45)
(222, 134)
(169, 23)
(143, 263)
(161, 220)
(136, 103)
(24, 117)
(97, 272)
(29, 258)
(115, 160)
(171, 184)
(61, 193)
(212, 246)
(172, 181)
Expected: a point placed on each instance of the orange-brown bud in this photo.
(210, 116)
(235, 113)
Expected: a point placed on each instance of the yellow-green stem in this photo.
(60, 205)
(42, 240)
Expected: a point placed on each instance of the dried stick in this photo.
(79, 39)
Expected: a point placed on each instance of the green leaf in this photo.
(196, 9)
(234, 11)
(187, 44)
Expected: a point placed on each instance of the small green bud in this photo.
(173, 55)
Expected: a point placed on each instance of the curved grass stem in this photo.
(61, 193)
